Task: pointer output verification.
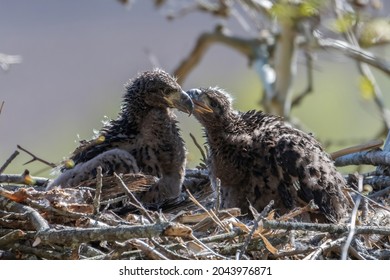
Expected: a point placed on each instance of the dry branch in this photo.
(367, 157)
(353, 52)
(20, 179)
(374, 144)
(119, 233)
(1, 106)
(39, 223)
(34, 157)
(330, 228)
(149, 251)
(247, 47)
(329, 244)
(11, 238)
(8, 161)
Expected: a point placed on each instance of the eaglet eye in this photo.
(213, 104)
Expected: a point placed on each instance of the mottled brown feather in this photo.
(144, 138)
(259, 158)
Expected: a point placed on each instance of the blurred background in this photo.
(77, 55)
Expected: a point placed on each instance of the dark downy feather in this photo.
(260, 158)
(146, 130)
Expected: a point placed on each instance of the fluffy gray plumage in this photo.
(144, 138)
(259, 158)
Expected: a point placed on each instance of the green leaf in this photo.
(344, 23)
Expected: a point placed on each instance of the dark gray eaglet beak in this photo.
(200, 105)
(182, 102)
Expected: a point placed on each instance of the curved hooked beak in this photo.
(182, 102)
(200, 106)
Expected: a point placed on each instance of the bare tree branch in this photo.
(367, 157)
(8, 161)
(353, 52)
(246, 47)
(331, 228)
(34, 157)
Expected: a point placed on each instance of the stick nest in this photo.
(101, 219)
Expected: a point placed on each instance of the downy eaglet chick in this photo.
(259, 158)
(143, 138)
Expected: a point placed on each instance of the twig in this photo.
(330, 228)
(382, 254)
(204, 158)
(210, 213)
(209, 239)
(49, 208)
(98, 192)
(255, 226)
(363, 68)
(206, 221)
(136, 202)
(11, 238)
(44, 253)
(8, 161)
(118, 233)
(380, 193)
(19, 179)
(310, 207)
(1, 106)
(208, 248)
(223, 236)
(358, 148)
(353, 52)
(293, 252)
(355, 253)
(309, 72)
(372, 201)
(329, 244)
(267, 209)
(87, 251)
(368, 157)
(34, 158)
(255, 245)
(218, 194)
(352, 224)
(150, 252)
(246, 47)
(386, 148)
(168, 253)
(377, 182)
(39, 223)
(220, 9)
